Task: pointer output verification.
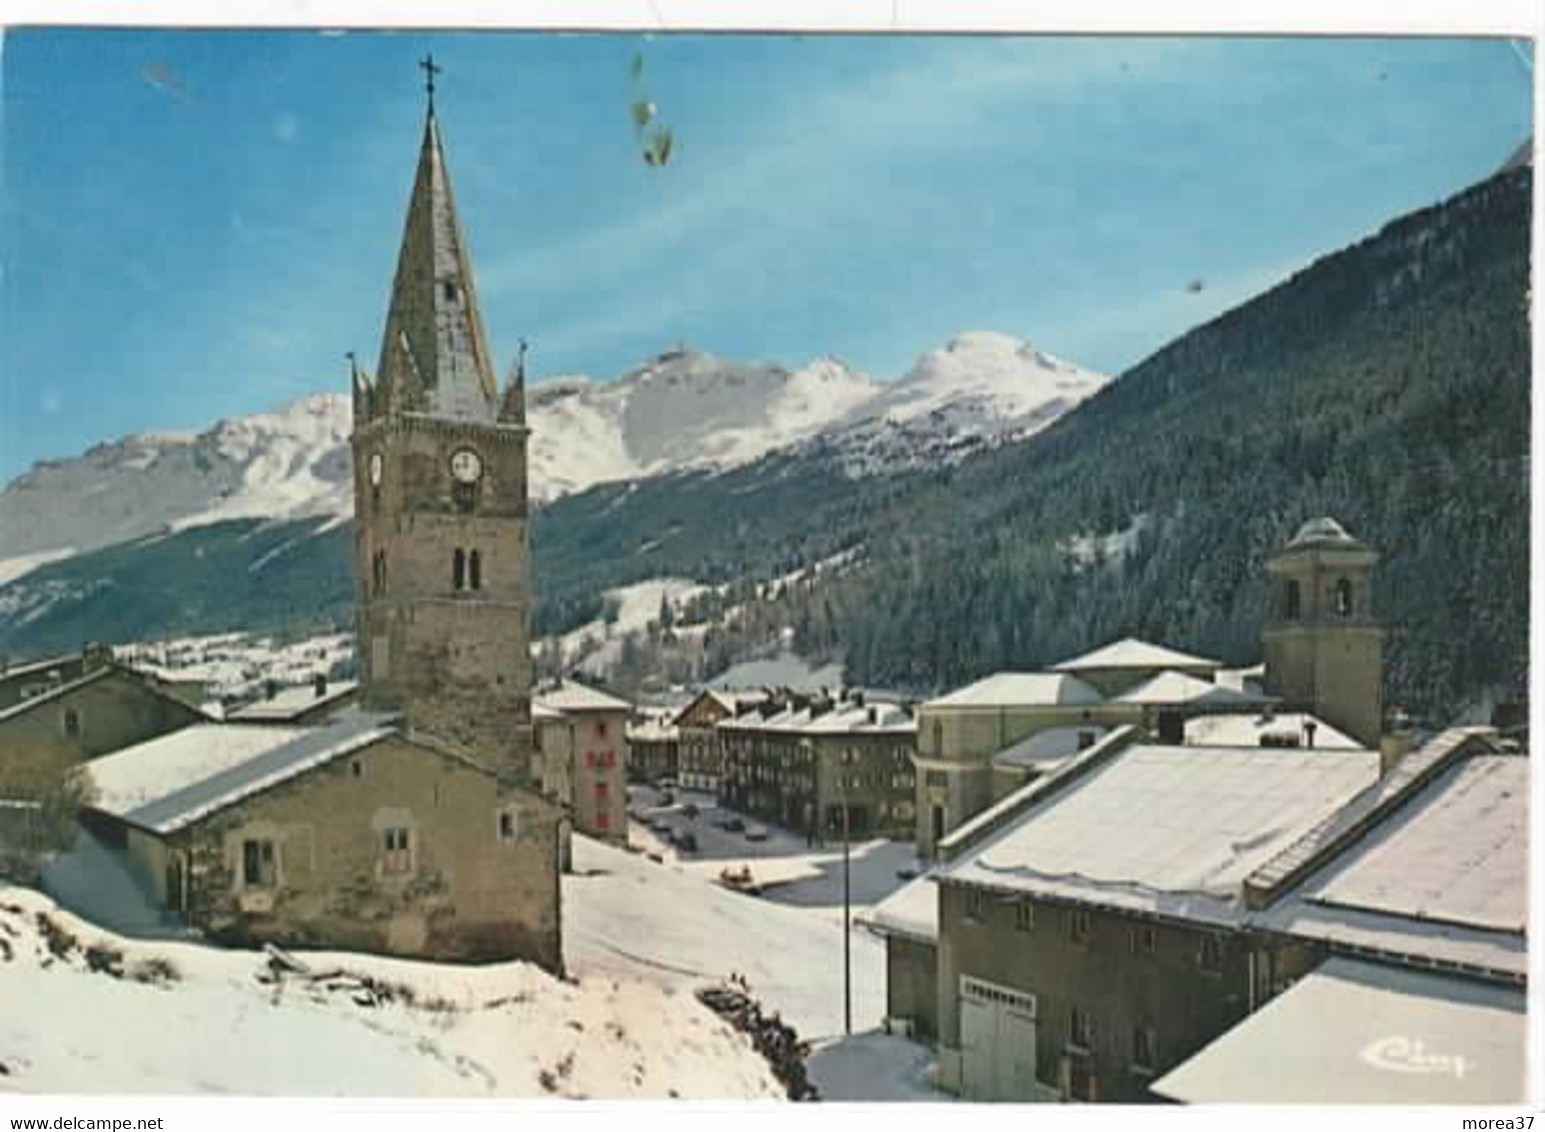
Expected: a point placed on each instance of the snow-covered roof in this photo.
(1021, 689)
(541, 713)
(168, 783)
(148, 683)
(911, 911)
(1047, 749)
(1248, 728)
(1129, 652)
(1352, 1032)
(287, 703)
(1179, 688)
(1321, 532)
(1168, 830)
(653, 730)
(868, 718)
(570, 695)
(1444, 876)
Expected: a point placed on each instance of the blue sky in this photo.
(199, 225)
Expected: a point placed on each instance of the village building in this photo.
(582, 737)
(700, 753)
(85, 706)
(412, 824)
(1417, 893)
(1323, 655)
(1092, 927)
(654, 747)
(298, 704)
(828, 768)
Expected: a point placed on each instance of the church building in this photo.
(408, 823)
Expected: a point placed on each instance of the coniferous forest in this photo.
(1386, 385)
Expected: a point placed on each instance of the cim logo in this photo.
(1409, 1055)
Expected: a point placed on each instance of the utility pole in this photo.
(847, 904)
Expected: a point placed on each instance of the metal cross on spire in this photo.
(431, 69)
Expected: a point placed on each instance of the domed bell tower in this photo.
(1324, 650)
(442, 597)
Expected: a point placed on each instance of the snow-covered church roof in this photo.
(1129, 652)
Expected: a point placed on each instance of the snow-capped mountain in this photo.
(683, 409)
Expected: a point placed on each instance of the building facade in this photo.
(582, 736)
(827, 768)
(1324, 649)
(700, 753)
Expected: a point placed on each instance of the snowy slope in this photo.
(683, 409)
(505, 1029)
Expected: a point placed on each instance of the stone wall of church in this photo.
(395, 849)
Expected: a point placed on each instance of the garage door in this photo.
(997, 1042)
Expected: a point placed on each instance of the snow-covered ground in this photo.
(212, 1027)
(238, 664)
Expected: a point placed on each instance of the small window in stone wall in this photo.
(397, 856)
(1024, 916)
(1080, 925)
(1144, 1047)
(1209, 953)
(1080, 1029)
(1144, 939)
(72, 723)
(508, 828)
(259, 863)
(976, 904)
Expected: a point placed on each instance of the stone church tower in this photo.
(440, 501)
(1324, 650)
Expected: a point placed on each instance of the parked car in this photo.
(686, 842)
(756, 833)
(731, 824)
(689, 811)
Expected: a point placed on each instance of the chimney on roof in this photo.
(1395, 743)
(270, 689)
(874, 714)
(858, 697)
(1172, 728)
(319, 684)
(1310, 727)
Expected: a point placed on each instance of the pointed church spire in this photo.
(512, 409)
(434, 354)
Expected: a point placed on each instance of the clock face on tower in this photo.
(375, 469)
(466, 466)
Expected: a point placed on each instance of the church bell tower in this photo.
(1324, 650)
(440, 499)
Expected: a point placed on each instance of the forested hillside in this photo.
(1386, 385)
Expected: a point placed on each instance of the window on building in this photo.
(507, 826)
(1144, 939)
(1080, 1029)
(448, 288)
(1343, 597)
(459, 569)
(1024, 916)
(1144, 1043)
(397, 856)
(1080, 925)
(976, 904)
(258, 863)
(357, 768)
(1209, 953)
(600, 728)
(1086, 740)
(72, 723)
(1292, 600)
(475, 570)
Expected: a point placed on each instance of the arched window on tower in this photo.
(459, 569)
(1343, 597)
(475, 570)
(1292, 601)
